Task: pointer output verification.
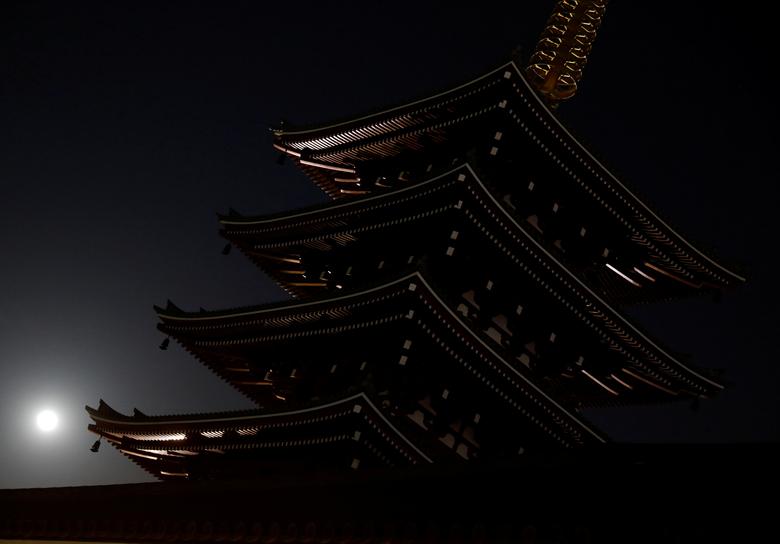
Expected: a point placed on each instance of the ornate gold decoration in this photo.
(562, 51)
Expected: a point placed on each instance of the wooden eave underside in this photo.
(524, 249)
(197, 333)
(512, 385)
(644, 386)
(176, 438)
(345, 145)
(268, 242)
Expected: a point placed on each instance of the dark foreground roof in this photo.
(609, 494)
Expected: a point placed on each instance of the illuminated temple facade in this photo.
(459, 300)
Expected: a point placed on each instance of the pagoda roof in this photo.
(550, 273)
(167, 446)
(333, 154)
(266, 326)
(383, 120)
(294, 322)
(276, 242)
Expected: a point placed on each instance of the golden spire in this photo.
(557, 63)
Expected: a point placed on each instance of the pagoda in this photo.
(459, 300)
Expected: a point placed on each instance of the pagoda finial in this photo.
(556, 65)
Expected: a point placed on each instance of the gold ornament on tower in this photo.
(556, 65)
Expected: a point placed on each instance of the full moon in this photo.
(47, 420)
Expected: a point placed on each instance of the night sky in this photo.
(125, 127)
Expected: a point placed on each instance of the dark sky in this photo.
(125, 126)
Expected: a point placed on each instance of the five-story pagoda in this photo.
(458, 300)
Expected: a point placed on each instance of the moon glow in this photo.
(47, 420)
